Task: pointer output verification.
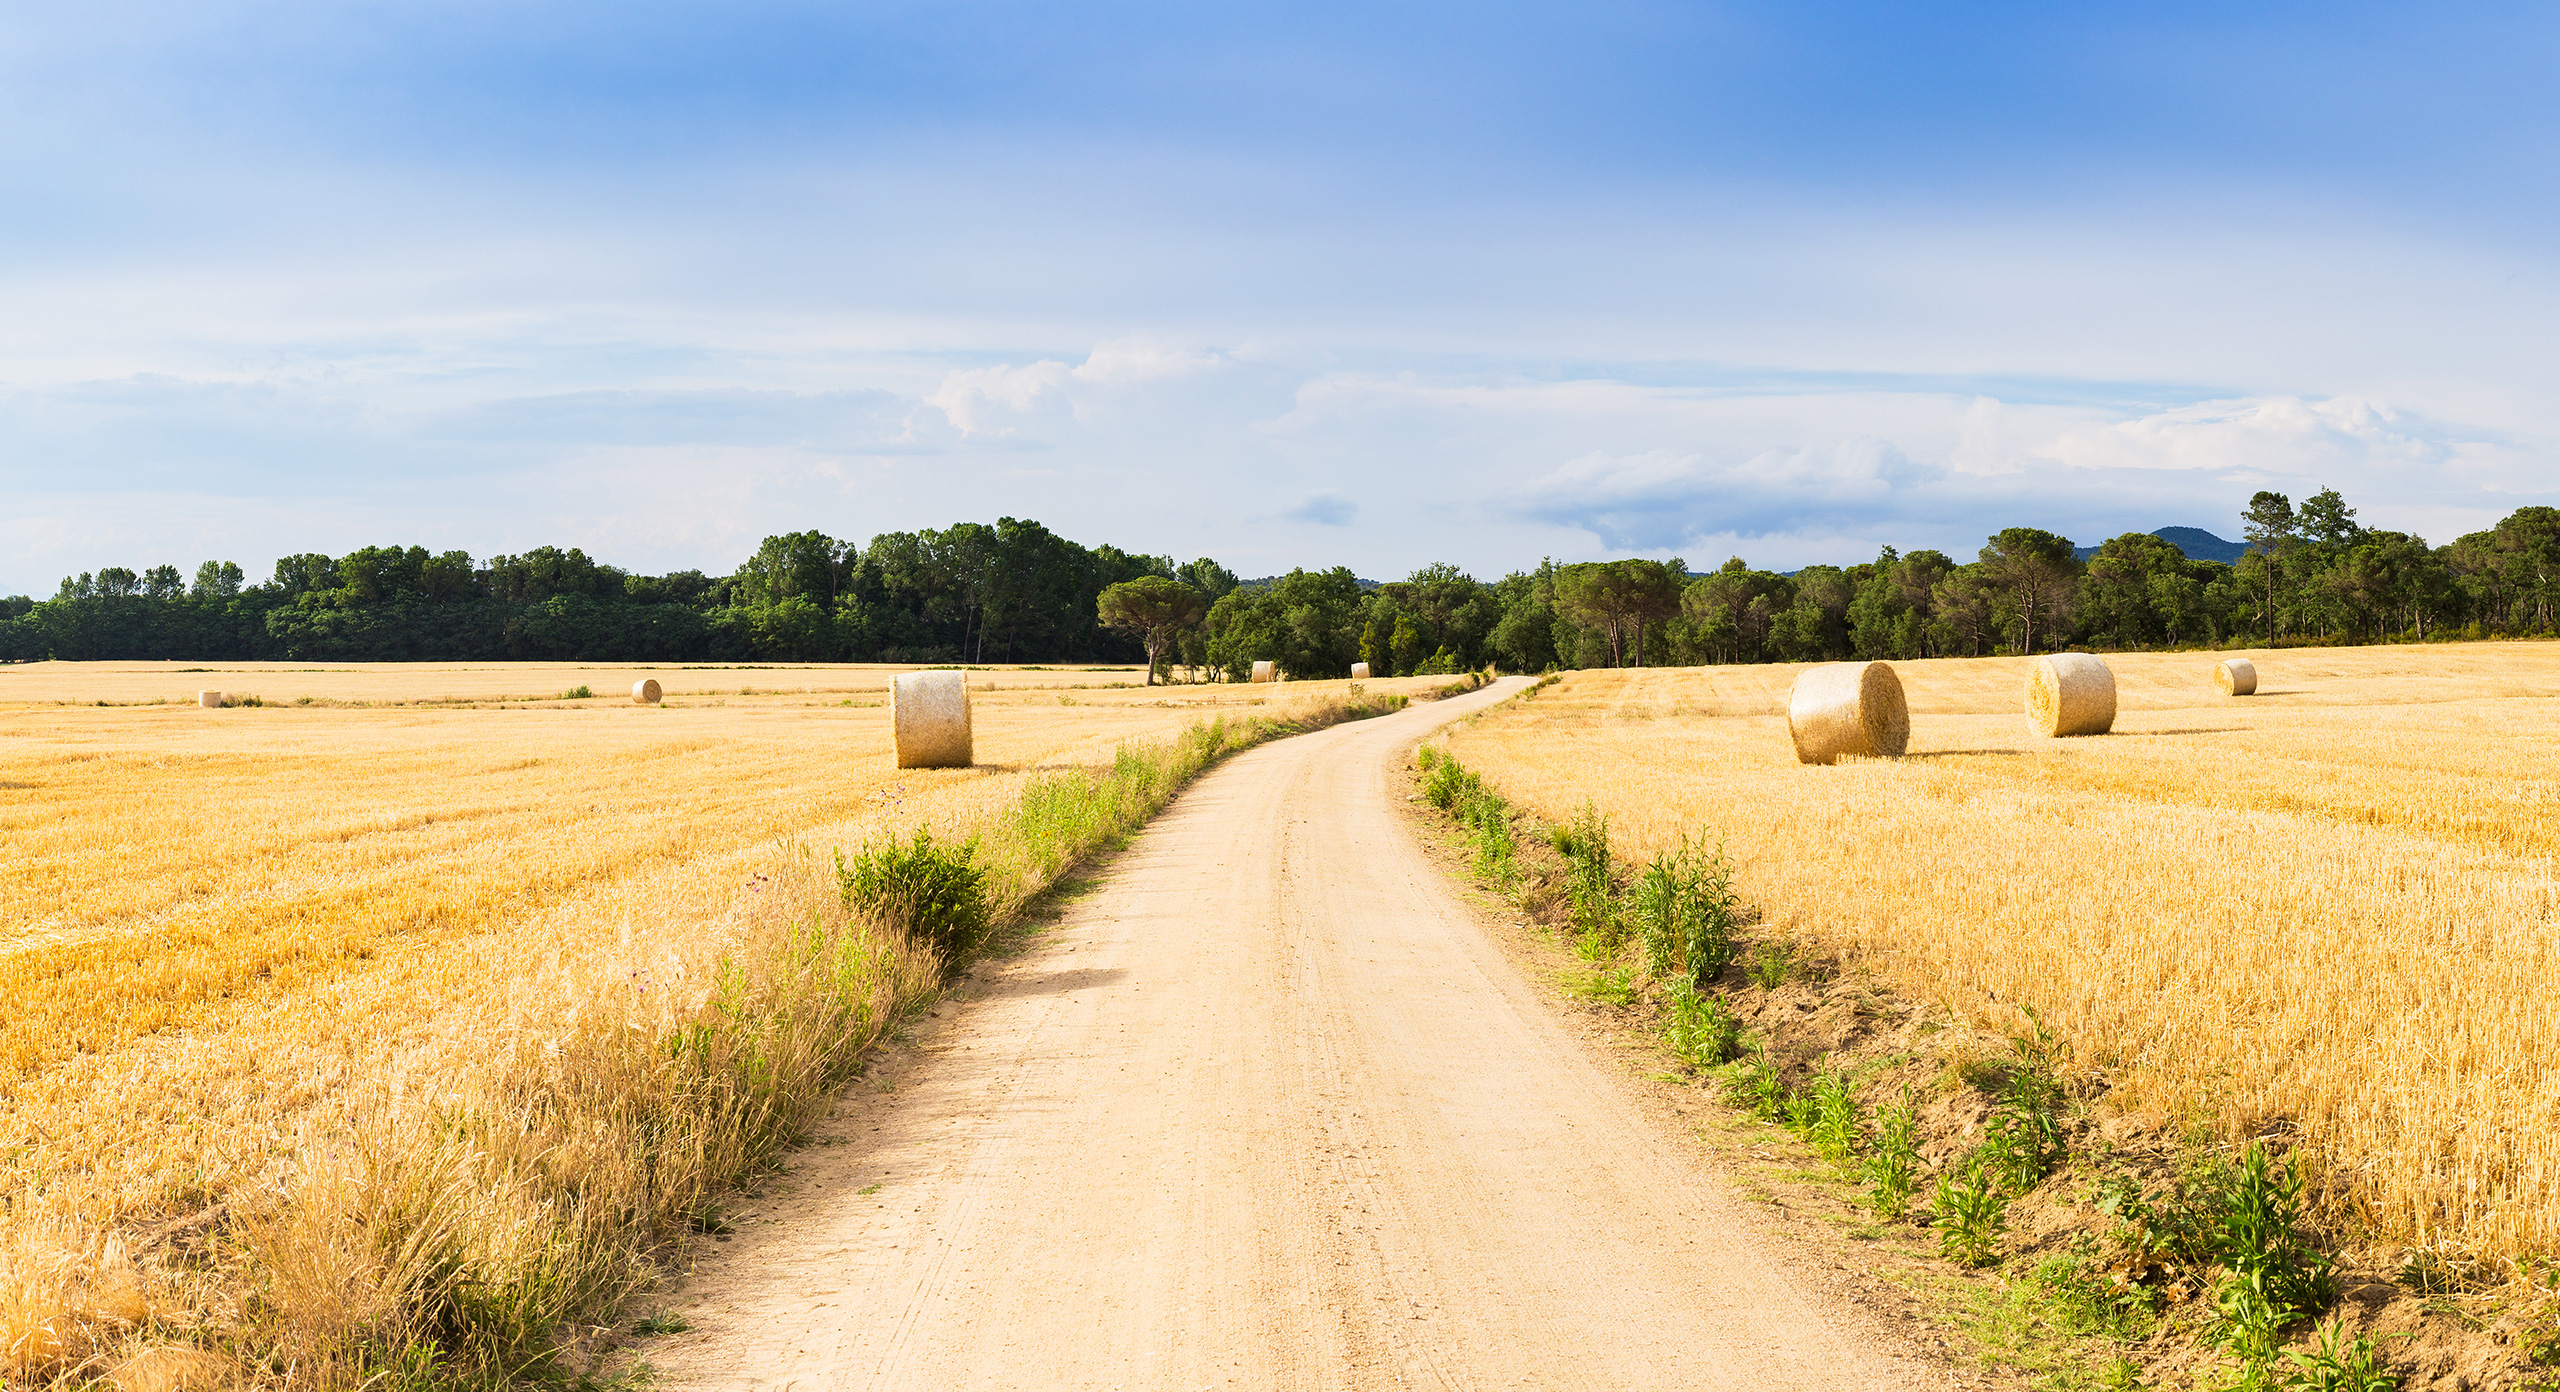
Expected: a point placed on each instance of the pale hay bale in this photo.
(1845, 708)
(2237, 676)
(645, 692)
(210, 700)
(1359, 671)
(1266, 671)
(929, 714)
(2070, 694)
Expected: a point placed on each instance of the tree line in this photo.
(1016, 592)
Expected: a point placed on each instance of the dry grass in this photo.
(255, 959)
(2333, 903)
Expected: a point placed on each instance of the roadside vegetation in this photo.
(2015, 999)
(442, 1142)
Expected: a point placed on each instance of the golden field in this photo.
(2330, 904)
(231, 940)
(444, 683)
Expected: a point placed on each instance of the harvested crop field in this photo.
(228, 938)
(2330, 904)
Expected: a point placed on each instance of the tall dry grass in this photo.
(2331, 904)
(415, 1035)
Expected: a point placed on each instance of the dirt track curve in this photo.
(1269, 1109)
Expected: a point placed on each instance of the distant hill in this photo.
(2196, 542)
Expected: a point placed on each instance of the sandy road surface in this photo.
(1268, 1110)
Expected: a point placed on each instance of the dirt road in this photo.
(1268, 1110)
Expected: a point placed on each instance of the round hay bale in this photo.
(1266, 671)
(645, 692)
(929, 715)
(1844, 708)
(2237, 676)
(2070, 694)
(210, 700)
(1359, 671)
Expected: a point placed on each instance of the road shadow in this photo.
(1058, 982)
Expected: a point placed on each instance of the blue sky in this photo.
(1370, 285)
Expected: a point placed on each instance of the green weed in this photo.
(1893, 1168)
(1703, 1031)
(1969, 1208)
(933, 890)
(1837, 1126)
(1770, 965)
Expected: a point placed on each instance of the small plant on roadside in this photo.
(1591, 900)
(1684, 909)
(934, 890)
(1893, 1168)
(2087, 1299)
(2020, 1146)
(661, 1323)
(1756, 1083)
(2339, 1364)
(1613, 985)
(1837, 1127)
(1769, 966)
(1425, 757)
(1703, 1031)
(1969, 1208)
(2272, 1277)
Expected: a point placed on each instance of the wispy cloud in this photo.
(1326, 509)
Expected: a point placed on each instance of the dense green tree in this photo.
(1157, 608)
(2034, 574)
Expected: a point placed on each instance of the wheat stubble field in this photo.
(235, 940)
(2332, 903)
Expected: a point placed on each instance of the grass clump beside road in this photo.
(483, 1230)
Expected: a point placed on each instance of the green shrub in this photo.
(1893, 1169)
(1969, 1209)
(1837, 1127)
(933, 890)
(1684, 910)
(1703, 1031)
(2272, 1277)
(577, 693)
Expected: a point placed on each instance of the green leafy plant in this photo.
(2272, 1276)
(1590, 897)
(1892, 1170)
(934, 890)
(577, 693)
(2339, 1364)
(1703, 1031)
(2088, 1299)
(1969, 1208)
(1770, 965)
(1684, 908)
(1757, 1084)
(1837, 1126)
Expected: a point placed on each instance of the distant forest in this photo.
(1016, 592)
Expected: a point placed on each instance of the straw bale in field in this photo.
(2070, 694)
(929, 712)
(1266, 671)
(2237, 676)
(1359, 671)
(210, 700)
(1844, 708)
(645, 692)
